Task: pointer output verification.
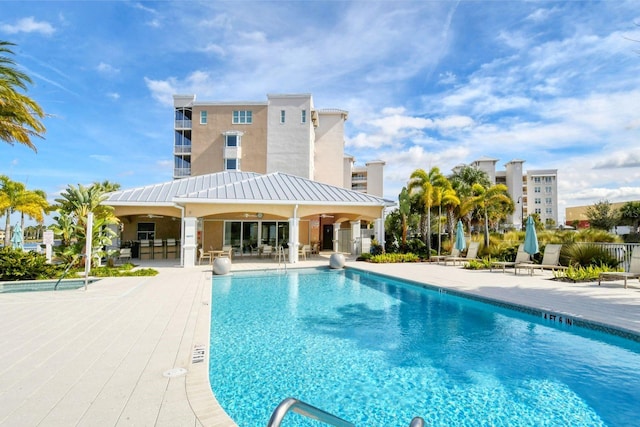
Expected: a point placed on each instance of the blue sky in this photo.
(426, 83)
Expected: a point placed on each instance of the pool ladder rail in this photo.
(309, 411)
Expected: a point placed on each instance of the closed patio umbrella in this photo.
(16, 237)
(530, 237)
(461, 244)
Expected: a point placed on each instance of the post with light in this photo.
(87, 256)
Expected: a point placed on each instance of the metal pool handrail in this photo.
(309, 411)
(302, 408)
(66, 270)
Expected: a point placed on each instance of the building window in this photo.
(537, 201)
(548, 179)
(282, 116)
(538, 211)
(549, 211)
(548, 189)
(242, 117)
(146, 230)
(536, 189)
(548, 201)
(232, 164)
(231, 140)
(303, 116)
(536, 179)
(203, 117)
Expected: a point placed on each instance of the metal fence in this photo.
(619, 251)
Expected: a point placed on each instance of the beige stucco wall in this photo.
(208, 140)
(329, 150)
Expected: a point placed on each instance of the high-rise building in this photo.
(533, 191)
(284, 134)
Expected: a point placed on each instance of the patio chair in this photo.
(303, 251)
(521, 258)
(550, 261)
(633, 273)
(267, 250)
(125, 254)
(204, 256)
(228, 251)
(472, 253)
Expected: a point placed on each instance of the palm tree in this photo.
(493, 201)
(446, 196)
(404, 203)
(19, 115)
(14, 197)
(424, 185)
(462, 181)
(74, 207)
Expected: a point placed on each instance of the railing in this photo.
(182, 124)
(182, 149)
(306, 410)
(619, 251)
(309, 411)
(180, 172)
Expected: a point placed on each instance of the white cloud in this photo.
(105, 68)
(113, 95)
(28, 25)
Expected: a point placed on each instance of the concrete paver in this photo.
(97, 357)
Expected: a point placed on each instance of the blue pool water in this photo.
(41, 285)
(378, 352)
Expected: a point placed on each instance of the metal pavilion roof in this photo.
(231, 186)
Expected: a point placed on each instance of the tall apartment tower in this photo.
(284, 134)
(533, 191)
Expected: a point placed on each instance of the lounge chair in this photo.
(550, 261)
(521, 258)
(633, 273)
(437, 258)
(472, 253)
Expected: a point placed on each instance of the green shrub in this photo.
(584, 255)
(582, 274)
(364, 257)
(376, 248)
(394, 258)
(125, 270)
(16, 264)
(478, 264)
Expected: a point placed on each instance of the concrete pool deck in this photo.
(99, 357)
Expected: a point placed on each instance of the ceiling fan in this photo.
(326, 216)
(151, 216)
(252, 215)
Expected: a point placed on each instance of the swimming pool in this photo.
(378, 352)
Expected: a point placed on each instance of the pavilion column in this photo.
(294, 237)
(356, 237)
(189, 241)
(336, 230)
(378, 227)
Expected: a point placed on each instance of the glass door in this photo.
(250, 237)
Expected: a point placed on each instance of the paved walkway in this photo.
(99, 357)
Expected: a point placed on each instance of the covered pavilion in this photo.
(246, 210)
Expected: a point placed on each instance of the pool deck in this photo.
(99, 357)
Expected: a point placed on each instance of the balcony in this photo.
(181, 149)
(182, 124)
(181, 172)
